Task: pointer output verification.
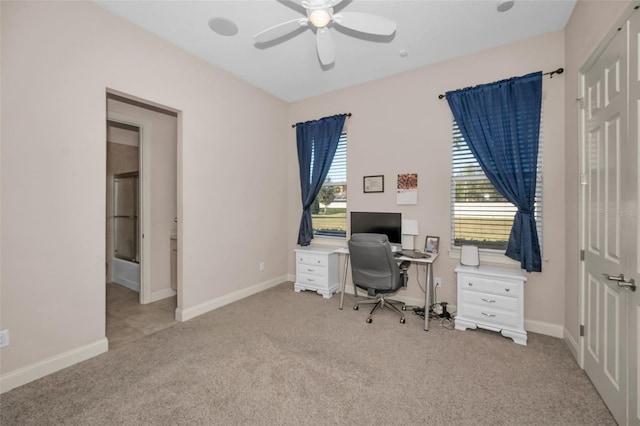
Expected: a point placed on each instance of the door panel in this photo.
(605, 357)
(633, 221)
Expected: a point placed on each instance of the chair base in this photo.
(379, 303)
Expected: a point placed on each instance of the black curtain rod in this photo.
(550, 74)
(348, 116)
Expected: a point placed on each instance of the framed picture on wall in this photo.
(431, 244)
(373, 184)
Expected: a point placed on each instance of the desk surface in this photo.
(431, 259)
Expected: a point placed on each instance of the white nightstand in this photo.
(492, 298)
(317, 270)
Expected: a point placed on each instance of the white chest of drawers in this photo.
(491, 298)
(317, 270)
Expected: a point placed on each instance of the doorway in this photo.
(141, 278)
(611, 221)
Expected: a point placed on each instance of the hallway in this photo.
(128, 320)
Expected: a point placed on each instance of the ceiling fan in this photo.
(320, 15)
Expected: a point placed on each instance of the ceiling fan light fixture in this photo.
(320, 18)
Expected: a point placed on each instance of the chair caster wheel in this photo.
(404, 307)
(355, 307)
(402, 320)
(369, 320)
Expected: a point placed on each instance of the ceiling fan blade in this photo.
(324, 45)
(280, 30)
(366, 23)
(335, 2)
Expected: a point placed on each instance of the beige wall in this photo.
(589, 24)
(58, 60)
(400, 126)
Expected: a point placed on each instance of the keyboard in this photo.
(413, 254)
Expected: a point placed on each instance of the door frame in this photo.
(144, 159)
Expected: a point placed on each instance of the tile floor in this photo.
(128, 320)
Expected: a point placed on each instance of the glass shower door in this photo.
(125, 215)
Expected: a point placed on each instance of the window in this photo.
(480, 216)
(329, 210)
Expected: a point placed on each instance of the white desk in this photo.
(420, 261)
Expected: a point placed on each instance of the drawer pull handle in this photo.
(507, 290)
(310, 270)
(489, 301)
(310, 280)
(488, 315)
(470, 284)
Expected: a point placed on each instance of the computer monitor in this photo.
(389, 224)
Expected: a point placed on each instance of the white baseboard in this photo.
(35, 371)
(546, 328)
(572, 344)
(131, 285)
(162, 294)
(291, 277)
(210, 305)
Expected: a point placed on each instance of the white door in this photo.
(605, 138)
(612, 217)
(633, 271)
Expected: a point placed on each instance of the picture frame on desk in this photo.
(431, 244)
(371, 184)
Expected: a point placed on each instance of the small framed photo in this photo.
(431, 244)
(373, 184)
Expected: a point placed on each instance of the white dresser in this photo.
(317, 270)
(492, 298)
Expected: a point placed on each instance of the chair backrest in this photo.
(373, 266)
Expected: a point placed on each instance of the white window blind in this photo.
(480, 216)
(329, 211)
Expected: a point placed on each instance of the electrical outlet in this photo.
(4, 338)
(261, 266)
(438, 281)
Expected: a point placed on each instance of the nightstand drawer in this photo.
(495, 317)
(499, 287)
(310, 259)
(312, 279)
(489, 300)
(320, 271)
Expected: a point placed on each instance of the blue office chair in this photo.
(375, 269)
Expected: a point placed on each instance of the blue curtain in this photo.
(317, 143)
(501, 124)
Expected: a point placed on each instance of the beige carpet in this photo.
(285, 358)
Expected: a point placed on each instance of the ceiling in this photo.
(429, 31)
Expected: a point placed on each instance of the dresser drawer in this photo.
(315, 280)
(310, 259)
(484, 285)
(489, 300)
(320, 271)
(495, 317)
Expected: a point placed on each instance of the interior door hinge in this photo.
(581, 330)
(582, 255)
(580, 102)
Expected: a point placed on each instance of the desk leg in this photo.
(344, 280)
(427, 295)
